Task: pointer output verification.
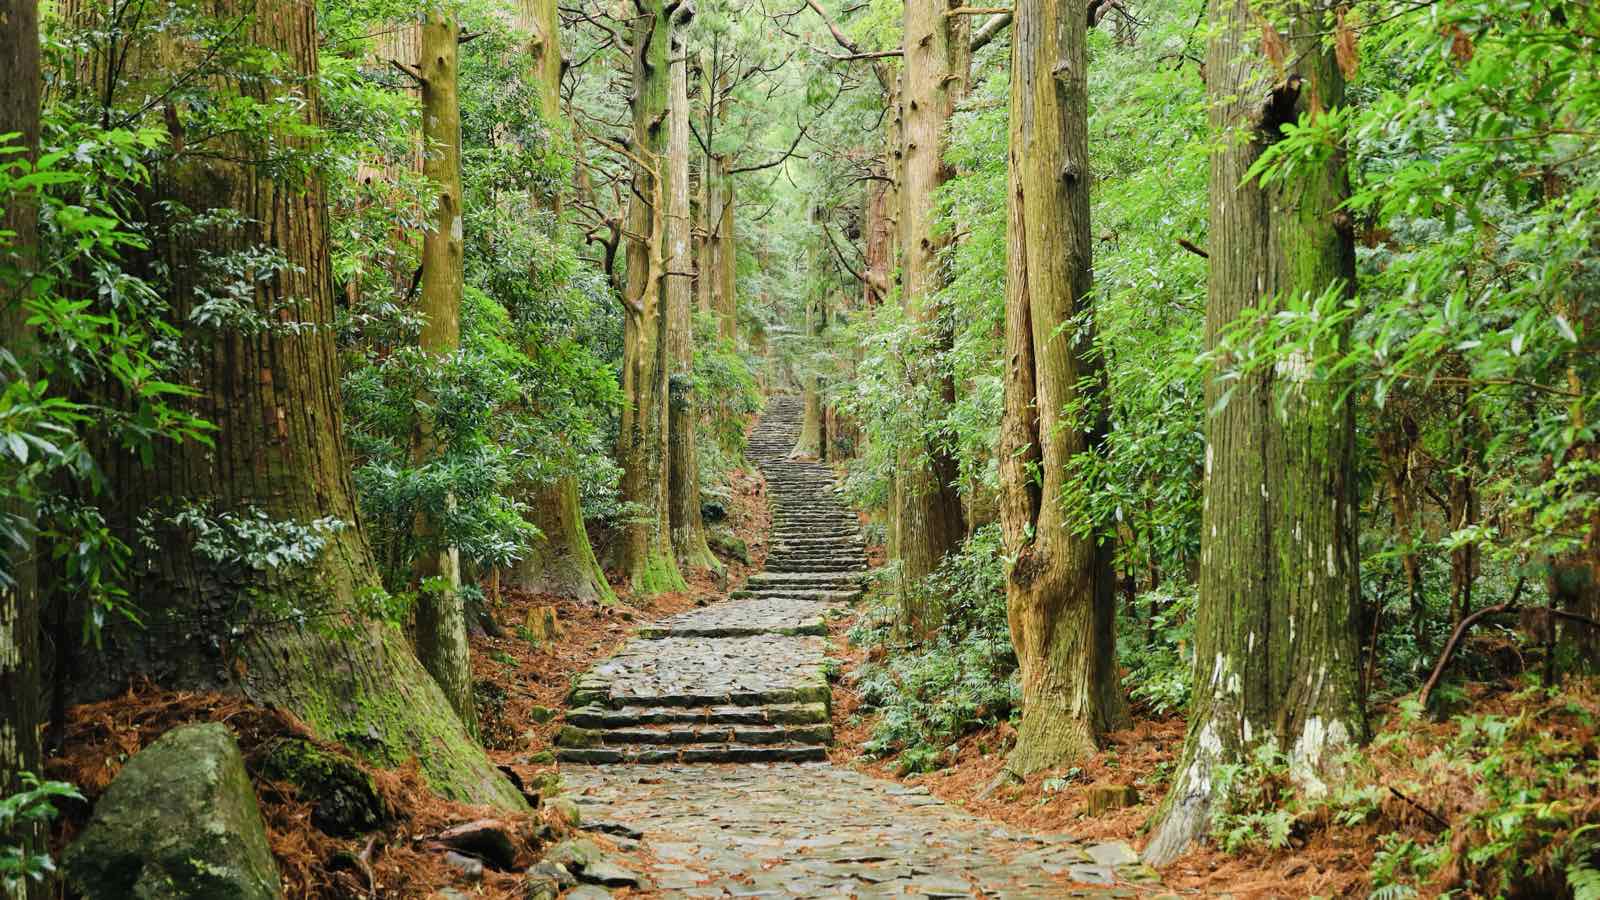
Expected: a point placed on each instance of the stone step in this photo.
(630, 716)
(787, 567)
(693, 753)
(791, 579)
(576, 737)
(812, 594)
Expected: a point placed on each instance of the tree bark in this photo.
(1275, 636)
(292, 636)
(1060, 599)
(809, 444)
(937, 57)
(646, 546)
(683, 403)
(21, 711)
(726, 244)
(562, 561)
(441, 628)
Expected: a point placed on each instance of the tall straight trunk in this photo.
(809, 443)
(726, 242)
(1060, 599)
(1276, 644)
(646, 545)
(441, 611)
(937, 59)
(1395, 442)
(562, 561)
(683, 404)
(292, 635)
(20, 709)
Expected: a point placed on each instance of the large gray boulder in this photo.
(180, 821)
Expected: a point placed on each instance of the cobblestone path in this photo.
(728, 704)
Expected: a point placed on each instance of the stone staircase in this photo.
(741, 680)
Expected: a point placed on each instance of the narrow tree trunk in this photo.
(1394, 442)
(1275, 636)
(441, 614)
(20, 709)
(646, 546)
(683, 404)
(937, 59)
(288, 635)
(808, 444)
(1060, 598)
(727, 298)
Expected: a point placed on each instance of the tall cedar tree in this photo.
(928, 516)
(1275, 635)
(278, 451)
(683, 404)
(1059, 591)
(561, 561)
(646, 545)
(441, 609)
(19, 597)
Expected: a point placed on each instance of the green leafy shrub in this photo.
(960, 678)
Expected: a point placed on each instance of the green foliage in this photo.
(27, 811)
(960, 679)
(1156, 646)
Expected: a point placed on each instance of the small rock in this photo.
(180, 820)
(488, 839)
(608, 873)
(541, 758)
(548, 874)
(575, 854)
(1106, 797)
(1138, 873)
(566, 809)
(1113, 853)
(345, 799)
(470, 867)
(541, 714)
(588, 892)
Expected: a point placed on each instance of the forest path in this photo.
(740, 684)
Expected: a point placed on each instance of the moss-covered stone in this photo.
(345, 799)
(573, 736)
(180, 821)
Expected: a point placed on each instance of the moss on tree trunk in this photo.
(292, 636)
(1275, 634)
(646, 553)
(1059, 589)
(928, 510)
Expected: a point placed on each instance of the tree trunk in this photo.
(809, 443)
(292, 635)
(727, 299)
(936, 65)
(1060, 591)
(20, 709)
(683, 404)
(1395, 442)
(441, 633)
(1275, 635)
(562, 561)
(646, 545)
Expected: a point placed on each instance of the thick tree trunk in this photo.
(441, 630)
(646, 545)
(937, 59)
(20, 707)
(1276, 646)
(289, 635)
(562, 562)
(683, 404)
(1060, 598)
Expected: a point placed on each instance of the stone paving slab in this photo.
(701, 671)
(817, 830)
(742, 618)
